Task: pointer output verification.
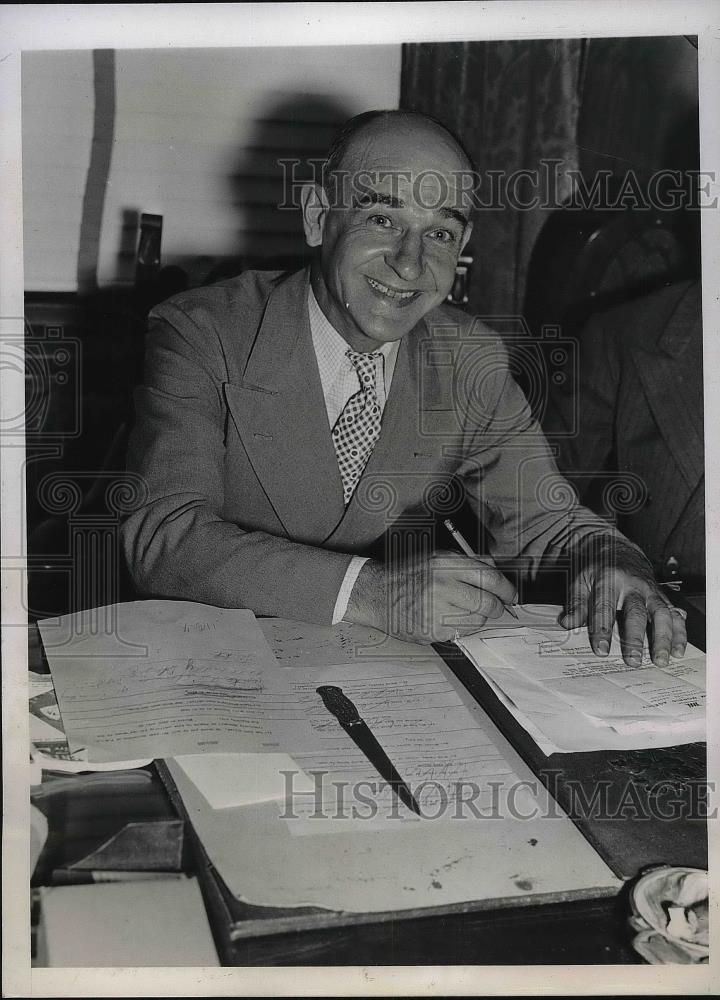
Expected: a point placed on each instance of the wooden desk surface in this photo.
(572, 932)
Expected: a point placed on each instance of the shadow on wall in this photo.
(287, 146)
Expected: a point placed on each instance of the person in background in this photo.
(636, 454)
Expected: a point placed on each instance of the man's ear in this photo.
(314, 203)
(466, 235)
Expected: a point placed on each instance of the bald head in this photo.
(385, 127)
(389, 222)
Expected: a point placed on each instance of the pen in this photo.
(459, 538)
(338, 703)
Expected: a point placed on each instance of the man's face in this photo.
(389, 241)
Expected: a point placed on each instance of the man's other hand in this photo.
(619, 582)
(429, 600)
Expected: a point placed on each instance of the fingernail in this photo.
(603, 647)
(634, 660)
(678, 651)
(662, 659)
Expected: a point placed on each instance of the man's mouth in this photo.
(397, 296)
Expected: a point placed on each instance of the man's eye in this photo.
(443, 236)
(380, 221)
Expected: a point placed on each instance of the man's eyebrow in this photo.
(375, 198)
(369, 198)
(453, 213)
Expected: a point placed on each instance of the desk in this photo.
(572, 931)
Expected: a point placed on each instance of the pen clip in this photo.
(339, 704)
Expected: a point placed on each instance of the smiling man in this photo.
(302, 436)
(389, 233)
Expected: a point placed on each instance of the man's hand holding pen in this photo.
(449, 595)
(431, 599)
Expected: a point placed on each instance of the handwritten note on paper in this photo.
(427, 725)
(297, 644)
(169, 678)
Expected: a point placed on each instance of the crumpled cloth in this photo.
(670, 915)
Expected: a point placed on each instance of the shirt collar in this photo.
(328, 343)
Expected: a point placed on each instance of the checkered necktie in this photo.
(357, 428)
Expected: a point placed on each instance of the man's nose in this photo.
(406, 257)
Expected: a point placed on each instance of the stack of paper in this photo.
(569, 699)
(158, 678)
(49, 748)
(129, 924)
(226, 780)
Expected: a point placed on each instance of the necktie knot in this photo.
(364, 365)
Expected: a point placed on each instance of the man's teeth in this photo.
(389, 291)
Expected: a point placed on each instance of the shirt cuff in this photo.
(343, 598)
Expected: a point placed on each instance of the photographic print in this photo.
(356, 537)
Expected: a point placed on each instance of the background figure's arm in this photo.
(176, 543)
(579, 420)
(530, 511)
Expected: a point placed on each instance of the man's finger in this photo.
(634, 627)
(467, 620)
(440, 632)
(601, 617)
(467, 629)
(576, 610)
(661, 635)
(679, 633)
(472, 600)
(477, 574)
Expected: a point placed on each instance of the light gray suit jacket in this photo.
(244, 503)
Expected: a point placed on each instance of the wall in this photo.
(57, 129)
(195, 137)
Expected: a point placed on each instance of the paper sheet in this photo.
(128, 924)
(238, 779)
(49, 749)
(297, 644)
(552, 682)
(606, 687)
(427, 725)
(166, 678)
(422, 718)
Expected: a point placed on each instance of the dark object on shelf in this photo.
(459, 293)
(149, 248)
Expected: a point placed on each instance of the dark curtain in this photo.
(513, 104)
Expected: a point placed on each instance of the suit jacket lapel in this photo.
(667, 372)
(279, 411)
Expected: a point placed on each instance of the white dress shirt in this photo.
(339, 380)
